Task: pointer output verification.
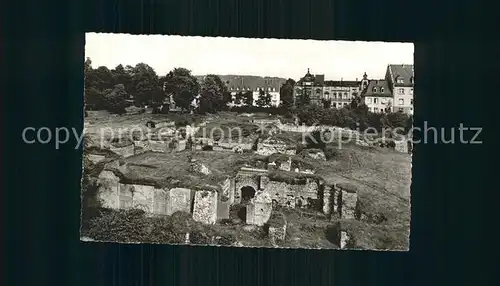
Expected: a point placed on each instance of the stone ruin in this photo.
(197, 167)
(205, 207)
(277, 228)
(271, 146)
(259, 209)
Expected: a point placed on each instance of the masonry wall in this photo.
(348, 201)
(243, 180)
(179, 199)
(205, 207)
(108, 192)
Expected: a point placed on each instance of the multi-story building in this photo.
(338, 94)
(309, 89)
(401, 81)
(377, 96)
(330, 94)
(255, 84)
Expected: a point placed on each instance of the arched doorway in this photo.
(247, 193)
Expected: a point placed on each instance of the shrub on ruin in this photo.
(225, 239)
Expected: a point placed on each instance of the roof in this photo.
(250, 82)
(341, 83)
(402, 71)
(375, 86)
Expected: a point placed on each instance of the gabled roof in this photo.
(341, 83)
(398, 72)
(375, 87)
(249, 82)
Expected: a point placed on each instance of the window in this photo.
(401, 101)
(374, 89)
(375, 109)
(401, 91)
(346, 95)
(381, 89)
(375, 100)
(368, 100)
(400, 80)
(411, 91)
(411, 101)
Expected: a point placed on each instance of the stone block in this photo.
(94, 158)
(259, 210)
(179, 199)
(205, 207)
(223, 210)
(277, 227)
(348, 201)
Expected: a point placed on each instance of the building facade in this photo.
(314, 89)
(401, 82)
(377, 96)
(255, 85)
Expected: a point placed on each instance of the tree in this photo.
(239, 98)
(183, 86)
(122, 76)
(145, 86)
(115, 99)
(212, 88)
(356, 100)
(248, 98)
(286, 93)
(209, 102)
(103, 78)
(264, 99)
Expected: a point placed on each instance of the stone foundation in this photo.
(94, 158)
(348, 200)
(259, 209)
(205, 207)
(277, 228)
(223, 210)
(179, 199)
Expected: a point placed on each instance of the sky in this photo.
(337, 60)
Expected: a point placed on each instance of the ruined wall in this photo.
(401, 146)
(277, 228)
(259, 210)
(125, 151)
(266, 149)
(94, 158)
(223, 210)
(205, 207)
(150, 199)
(347, 201)
(179, 199)
(227, 187)
(108, 192)
(293, 195)
(244, 180)
(282, 193)
(157, 146)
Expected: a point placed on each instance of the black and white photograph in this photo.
(247, 142)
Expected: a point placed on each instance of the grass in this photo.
(173, 169)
